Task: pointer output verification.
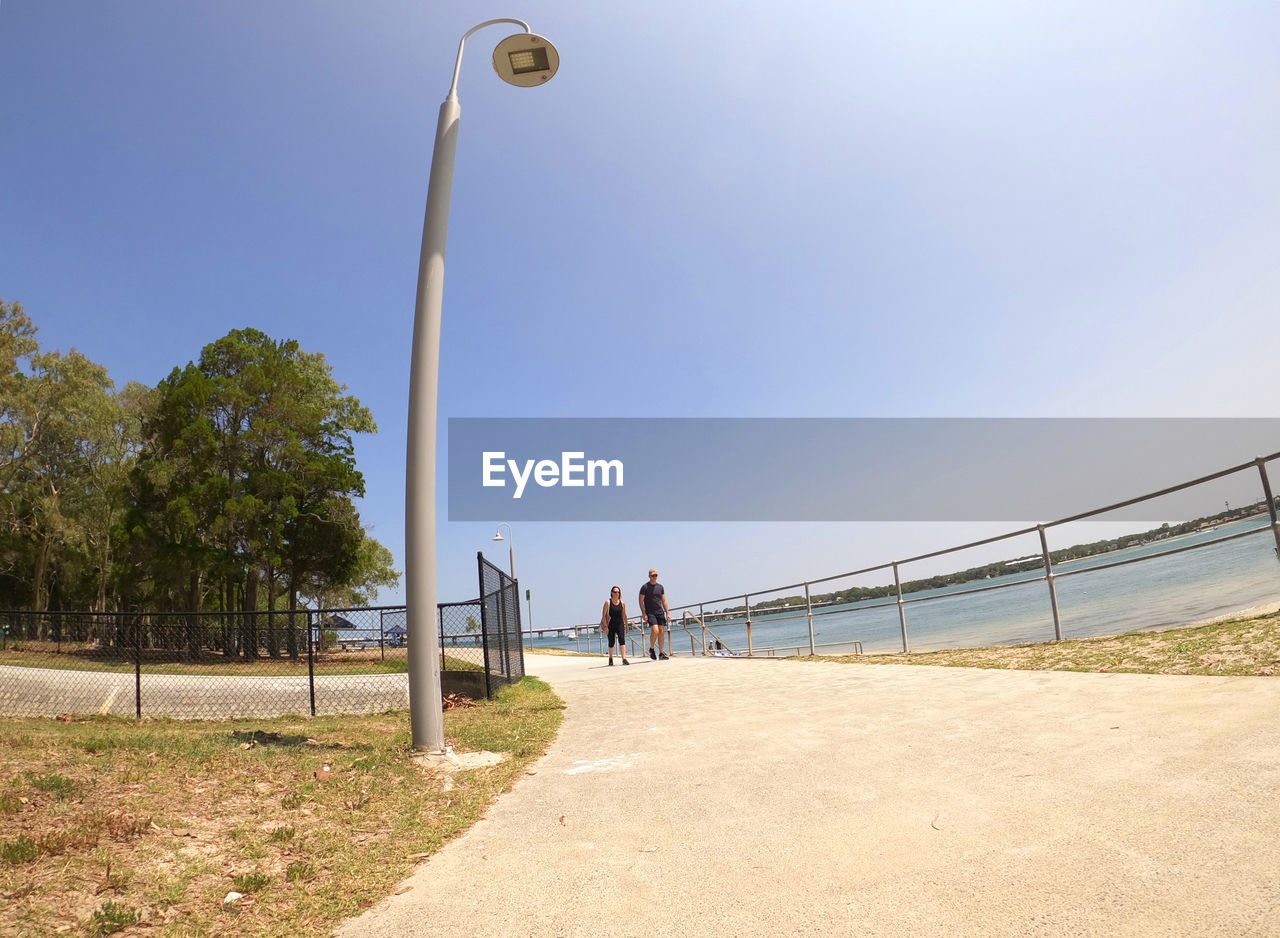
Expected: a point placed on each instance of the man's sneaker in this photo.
(611, 662)
(653, 654)
(662, 657)
(626, 663)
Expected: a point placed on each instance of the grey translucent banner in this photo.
(854, 469)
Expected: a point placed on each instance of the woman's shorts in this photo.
(617, 635)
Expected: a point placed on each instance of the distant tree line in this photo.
(228, 486)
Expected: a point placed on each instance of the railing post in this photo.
(747, 600)
(808, 611)
(501, 624)
(511, 617)
(902, 609)
(440, 625)
(137, 664)
(1271, 502)
(1048, 576)
(702, 621)
(484, 627)
(311, 663)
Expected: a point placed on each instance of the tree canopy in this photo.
(231, 485)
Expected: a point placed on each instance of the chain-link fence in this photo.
(216, 665)
(500, 623)
(480, 640)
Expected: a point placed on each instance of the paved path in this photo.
(714, 797)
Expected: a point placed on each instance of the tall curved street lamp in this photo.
(511, 548)
(524, 60)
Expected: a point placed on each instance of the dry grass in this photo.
(1245, 646)
(119, 827)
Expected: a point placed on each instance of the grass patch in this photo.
(164, 818)
(111, 918)
(250, 882)
(17, 851)
(1238, 647)
(60, 786)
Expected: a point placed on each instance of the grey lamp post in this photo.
(511, 548)
(523, 60)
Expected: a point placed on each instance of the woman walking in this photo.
(613, 621)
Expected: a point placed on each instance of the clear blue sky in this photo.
(714, 209)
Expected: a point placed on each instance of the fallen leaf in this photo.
(402, 890)
(562, 821)
(418, 856)
(457, 702)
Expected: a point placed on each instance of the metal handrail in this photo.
(1257, 462)
(1050, 574)
(800, 649)
(702, 625)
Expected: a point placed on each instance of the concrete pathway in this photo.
(724, 797)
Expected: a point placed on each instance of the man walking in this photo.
(654, 608)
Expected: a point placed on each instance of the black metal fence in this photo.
(216, 665)
(500, 623)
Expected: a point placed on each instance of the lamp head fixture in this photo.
(525, 60)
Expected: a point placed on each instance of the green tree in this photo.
(60, 422)
(247, 478)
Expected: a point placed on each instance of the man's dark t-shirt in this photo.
(652, 593)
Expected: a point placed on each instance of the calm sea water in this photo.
(1157, 593)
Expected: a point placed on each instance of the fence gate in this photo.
(499, 626)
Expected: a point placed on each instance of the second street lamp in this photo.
(511, 548)
(523, 60)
